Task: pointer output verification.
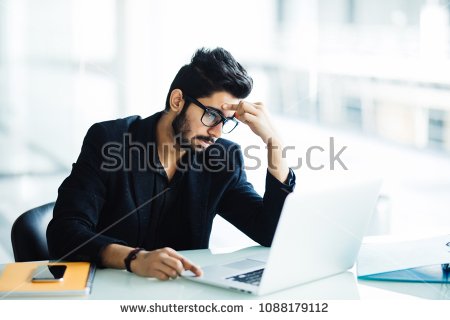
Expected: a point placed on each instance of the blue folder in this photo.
(429, 274)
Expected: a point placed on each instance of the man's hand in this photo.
(254, 115)
(163, 264)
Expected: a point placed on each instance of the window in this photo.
(353, 111)
(436, 128)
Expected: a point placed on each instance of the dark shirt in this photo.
(165, 211)
(125, 197)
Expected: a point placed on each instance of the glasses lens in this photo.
(211, 118)
(229, 126)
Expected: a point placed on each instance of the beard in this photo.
(181, 130)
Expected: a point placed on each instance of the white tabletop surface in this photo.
(122, 285)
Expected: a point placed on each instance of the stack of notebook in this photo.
(15, 280)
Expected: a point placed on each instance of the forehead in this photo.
(218, 99)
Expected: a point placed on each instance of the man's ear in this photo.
(176, 100)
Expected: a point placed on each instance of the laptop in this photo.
(318, 235)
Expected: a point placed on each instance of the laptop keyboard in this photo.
(252, 277)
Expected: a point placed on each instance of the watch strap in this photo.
(130, 257)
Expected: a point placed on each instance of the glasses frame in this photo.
(223, 119)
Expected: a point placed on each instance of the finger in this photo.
(231, 106)
(174, 263)
(172, 253)
(241, 108)
(247, 108)
(187, 265)
(243, 105)
(192, 267)
(168, 271)
(159, 275)
(248, 118)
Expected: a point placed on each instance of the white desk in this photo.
(122, 285)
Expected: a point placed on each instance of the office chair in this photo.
(28, 234)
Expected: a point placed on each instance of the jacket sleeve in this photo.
(254, 215)
(71, 234)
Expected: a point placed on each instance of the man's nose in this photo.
(216, 131)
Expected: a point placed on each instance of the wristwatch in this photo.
(130, 257)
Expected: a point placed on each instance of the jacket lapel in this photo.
(141, 146)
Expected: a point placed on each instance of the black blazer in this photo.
(97, 206)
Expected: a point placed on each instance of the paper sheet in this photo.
(385, 257)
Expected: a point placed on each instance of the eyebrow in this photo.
(210, 107)
(218, 110)
(224, 114)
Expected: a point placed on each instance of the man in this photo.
(143, 188)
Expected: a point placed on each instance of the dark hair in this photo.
(212, 71)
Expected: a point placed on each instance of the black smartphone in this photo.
(49, 273)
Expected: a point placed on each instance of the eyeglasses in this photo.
(212, 117)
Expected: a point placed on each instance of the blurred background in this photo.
(374, 75)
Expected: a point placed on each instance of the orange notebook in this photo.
(16, 280)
